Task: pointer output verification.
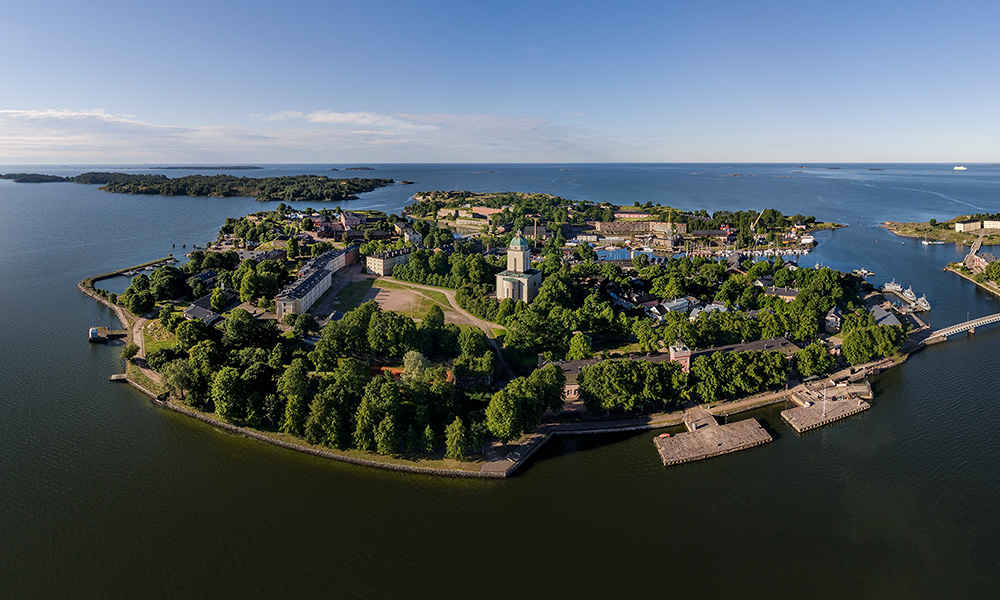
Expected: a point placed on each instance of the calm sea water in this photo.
(104, 495)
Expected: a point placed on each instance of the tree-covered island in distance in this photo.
(206, 168)
(310, 188)
(963, 229)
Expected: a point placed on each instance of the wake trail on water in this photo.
(946, 197)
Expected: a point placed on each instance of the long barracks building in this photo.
(315, 278)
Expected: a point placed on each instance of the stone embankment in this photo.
(256, 435)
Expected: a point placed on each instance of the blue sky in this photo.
(378, 81)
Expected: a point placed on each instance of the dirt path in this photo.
(468, 317)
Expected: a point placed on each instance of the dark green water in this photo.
(104, 495)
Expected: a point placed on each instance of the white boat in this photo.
(959, 168)
(892, 286)
(923, 303)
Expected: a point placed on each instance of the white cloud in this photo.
(94, 136)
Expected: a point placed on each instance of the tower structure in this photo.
(519, 281)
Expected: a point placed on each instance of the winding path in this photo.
(471, 319)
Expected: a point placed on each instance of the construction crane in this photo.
(753, 228)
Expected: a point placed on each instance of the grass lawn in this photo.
(621, 348)
(156, 337)
(437, 297)
(350, 297)
(423, 301)
(136, 374)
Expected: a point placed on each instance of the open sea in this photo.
(104, 495)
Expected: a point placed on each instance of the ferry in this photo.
(892, 286)
(959, 168)
(932, 242)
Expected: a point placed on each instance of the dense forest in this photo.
(298, 187)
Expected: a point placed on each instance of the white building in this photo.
(315, 278)
(384, 262)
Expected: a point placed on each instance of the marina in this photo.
(908, 296)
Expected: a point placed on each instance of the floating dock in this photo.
(706, 438)
(813, 412)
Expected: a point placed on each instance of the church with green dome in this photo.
(519, 281)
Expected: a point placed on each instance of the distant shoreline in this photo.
(232, 168)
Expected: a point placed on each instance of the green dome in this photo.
(518, 242)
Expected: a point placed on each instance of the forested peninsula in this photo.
(311, 188)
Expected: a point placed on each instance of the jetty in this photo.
(705, 438)
(817, 408)
(101, 335)
(908, 297)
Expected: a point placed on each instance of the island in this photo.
(384, 340)
(310, 188)
(205, 168)
(963, 229)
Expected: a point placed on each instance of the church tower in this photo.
(518, 255)
(519, 281)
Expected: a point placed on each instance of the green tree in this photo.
(814, 359)
(190, 332)
(473, 342)
(129, 351)
(428, 440)
(305, 324)
(177, 376)
(139, 303)
(455, 440)
(579, 347)
(219, 300)
(648, 337)
(386, 441)
(414, 366)
(389, 333)
(293, 386)
(364, 429)
(227, 394)
(505, 416)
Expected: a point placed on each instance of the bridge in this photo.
(941, 334)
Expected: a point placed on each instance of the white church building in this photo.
(519, 281)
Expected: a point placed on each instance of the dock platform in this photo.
(118, 377)
(812, 413)
(708, 441)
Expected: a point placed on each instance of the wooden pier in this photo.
(813, 412)
(705, 438)
(101, 335)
